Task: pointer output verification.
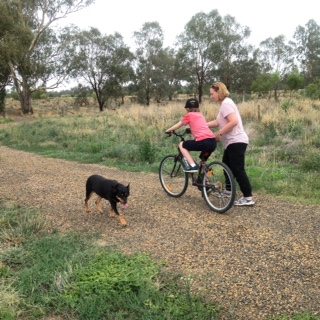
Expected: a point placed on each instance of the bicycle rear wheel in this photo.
(173, 179)
(218, 187)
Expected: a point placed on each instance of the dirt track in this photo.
(255, 262)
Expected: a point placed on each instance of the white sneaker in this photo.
(193, 169)
(244, 202)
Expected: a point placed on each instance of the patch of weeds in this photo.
(266, 134)
(310, 161)
(4, 120)
(289, 153)
(286, 105)
(130, 288)
(9, 301)
(147, 151)
(18, 225)
(36, 264)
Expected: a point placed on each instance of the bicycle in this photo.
(214, 180)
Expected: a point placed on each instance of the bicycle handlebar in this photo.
(180, 135)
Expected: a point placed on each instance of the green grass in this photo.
(277, 164)
(68, 275)
(45, 273)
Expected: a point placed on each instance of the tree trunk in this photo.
(200, 93)
(24, 92)
(276, 94)
(25, 100)
(100, 99)
(2, 101)
(101, 105)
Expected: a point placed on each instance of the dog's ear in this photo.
(128, 186)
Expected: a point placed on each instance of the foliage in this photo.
(312, 91)
(81, 94)
(205, 59)
(265, 83)
(124, 287)
(36, 55)
(18, 225)
(311, 161)
(131, 138)
(69, 275)
(286, 105)
(295, 80)
(307, 47)
(150, 62)
(275, 55)
(102, 61)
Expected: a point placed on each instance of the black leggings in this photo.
(234, 158)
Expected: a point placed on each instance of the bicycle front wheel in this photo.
(173, 179)
(218, 187)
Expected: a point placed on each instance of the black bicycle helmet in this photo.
(192, 103)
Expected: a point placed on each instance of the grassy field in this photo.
(283, 158)
(45, 274)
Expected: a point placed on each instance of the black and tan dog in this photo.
(111, 190)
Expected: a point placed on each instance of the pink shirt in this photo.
(237, 134)
(198, 126)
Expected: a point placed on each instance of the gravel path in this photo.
(256, 262)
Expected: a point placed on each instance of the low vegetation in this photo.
(283, 158)
(45, 274)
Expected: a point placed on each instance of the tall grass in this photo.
(283, 157)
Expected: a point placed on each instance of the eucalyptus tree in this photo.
(4, 80)
(38, 62)
(149, 56)
(235, 52)
(209, 47)
(276, 57)
(166, 78)
(245, 70)
(102, 61)
(295, 80)
(307, 48)
(265, 83)
(13, 38)
(200, 50)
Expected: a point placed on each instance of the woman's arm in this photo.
(232, 122)
(213, 124)
(175, 127)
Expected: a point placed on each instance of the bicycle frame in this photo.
(202, 165)
(212, 180)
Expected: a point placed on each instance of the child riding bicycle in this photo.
(204, 139)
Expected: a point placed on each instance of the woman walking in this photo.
(234, 139)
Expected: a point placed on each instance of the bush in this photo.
(312, 91)
(147, 151)
(311, 161)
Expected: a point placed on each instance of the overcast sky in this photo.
(268, 18)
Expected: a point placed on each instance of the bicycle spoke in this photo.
(218, 197)
(172, 177)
